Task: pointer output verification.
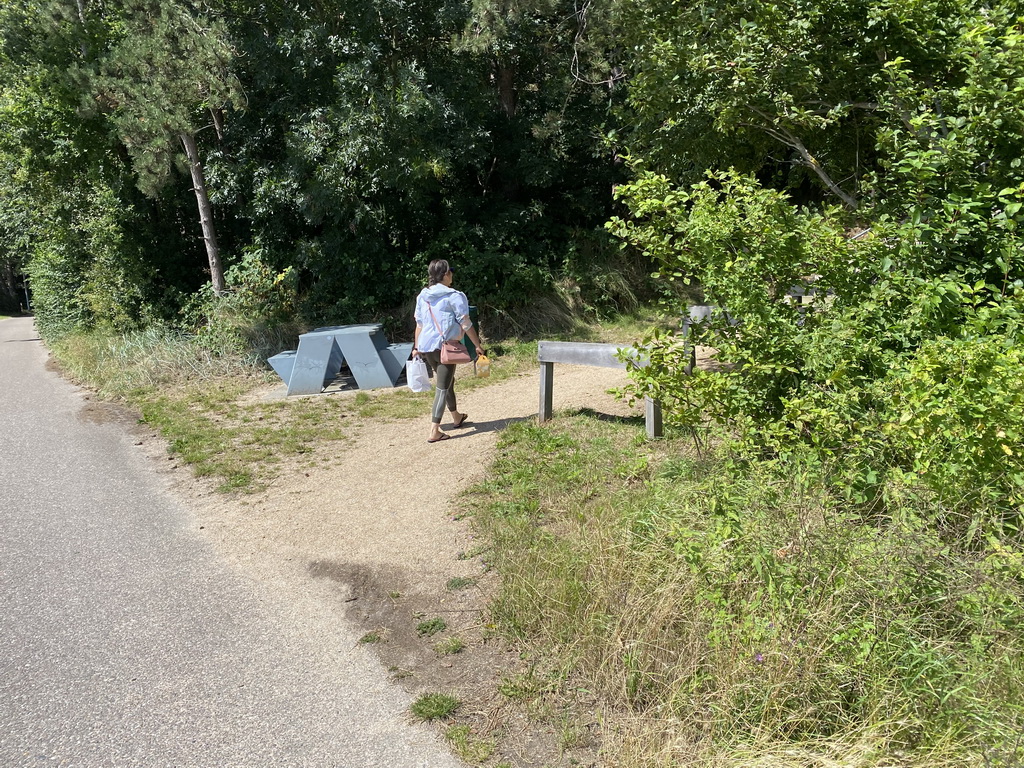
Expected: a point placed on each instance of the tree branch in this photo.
(807, 159)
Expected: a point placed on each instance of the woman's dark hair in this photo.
(437, 270)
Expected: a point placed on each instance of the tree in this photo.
(795, 91)
(372, 144)
(375, 137)
(165, 75)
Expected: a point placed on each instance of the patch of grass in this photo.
(457, 583)
(399, 673)
(240, 444)
(633, 326)
(467, 746)
(202, 402)
(449, 646)
(392, 404)
(571, 733)
(525, 686)
(753, 612)
(434, 706)
(431, 627)
(375, 636)
(475, 552)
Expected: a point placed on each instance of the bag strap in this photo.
(436, 325)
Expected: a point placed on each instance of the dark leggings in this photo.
(444, 393)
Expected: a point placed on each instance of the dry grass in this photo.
(739, 621)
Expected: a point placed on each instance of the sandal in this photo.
(444, 436)
(456, 425)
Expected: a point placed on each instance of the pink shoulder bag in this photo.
(452, 352)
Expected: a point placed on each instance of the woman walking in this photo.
(442, 313)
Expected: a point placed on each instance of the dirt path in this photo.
(383, 502)
(364, 537)
(368, 535)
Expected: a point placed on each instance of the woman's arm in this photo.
(467, 327)
(475, 338)
(466, 322)
(416, 341)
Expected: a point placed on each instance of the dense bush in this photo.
(891, 370)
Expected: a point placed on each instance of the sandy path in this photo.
(381, 506)
(364, 537)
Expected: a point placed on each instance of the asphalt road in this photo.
(125, 641)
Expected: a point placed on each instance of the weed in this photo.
(571, 733)
(399, 673)
(449, 646)
(745, 605)
(468, 747)
(433, 706)
(524, 686)
(431, 627)
(372, 637)
(457, 583)
(475, 552)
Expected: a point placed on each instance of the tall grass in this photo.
(120, 367)
(739, 616)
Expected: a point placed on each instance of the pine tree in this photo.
(164, 77)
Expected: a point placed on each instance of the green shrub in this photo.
(899, 373)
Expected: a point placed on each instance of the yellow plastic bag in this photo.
(483, 367)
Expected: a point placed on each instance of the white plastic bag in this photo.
(416, 375)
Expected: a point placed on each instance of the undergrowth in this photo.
(736, 614)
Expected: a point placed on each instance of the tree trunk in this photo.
(507, 89)
(205, 212)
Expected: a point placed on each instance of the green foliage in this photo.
(332, 145)
(746, 248)
(395, 149)
(255, 315)
(810, 95)
(467, 746)
(163, 65)
(449, 646)
(870, 431)
(457, 583)
(891, 370)
(97, 252)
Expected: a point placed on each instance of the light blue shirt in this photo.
(450, 308)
